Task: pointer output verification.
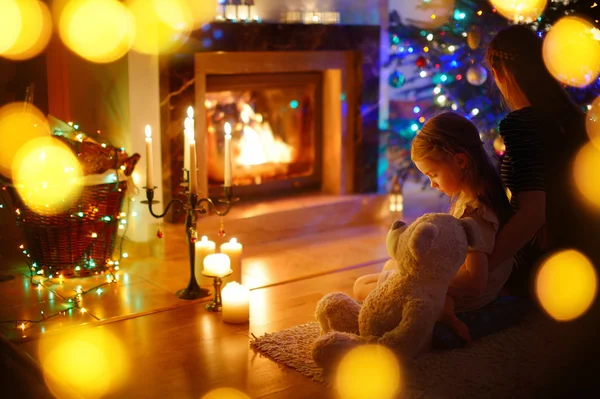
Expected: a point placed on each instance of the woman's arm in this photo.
(520, 228)
(472, 278)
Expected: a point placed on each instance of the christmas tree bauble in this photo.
(476, 75)
(474, 38)
(499, 146)
(396, 79)
(421, 62)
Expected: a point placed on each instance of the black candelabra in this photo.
(193, 206)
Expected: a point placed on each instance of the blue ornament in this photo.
(396, 79)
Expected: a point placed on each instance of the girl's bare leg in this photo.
(364, 285)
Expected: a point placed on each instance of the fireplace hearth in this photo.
(301, 101)
(275, 122)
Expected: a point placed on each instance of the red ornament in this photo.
(421, 62)
(159, 233)
(458, 77)
(437, 66)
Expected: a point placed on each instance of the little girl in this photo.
(449, 151)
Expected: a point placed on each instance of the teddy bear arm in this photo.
(410, 337)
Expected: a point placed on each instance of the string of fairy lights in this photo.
(37, 275)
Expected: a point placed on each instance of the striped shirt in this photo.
(522, 167)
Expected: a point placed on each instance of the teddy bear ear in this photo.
(422, 238)
(474, 238)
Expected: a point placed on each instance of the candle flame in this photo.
(227, 129)
(204, 238)
(148, 131)
(233, 240)
(190, 112)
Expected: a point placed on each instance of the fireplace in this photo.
(276, 126)
(292, 119)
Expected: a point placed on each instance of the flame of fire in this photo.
(258, 144)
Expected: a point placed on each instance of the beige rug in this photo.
(518, 362)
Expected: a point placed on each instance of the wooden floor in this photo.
(177, 349)
(172, 348)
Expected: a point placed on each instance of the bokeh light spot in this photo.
(585, 171)
(566, 285)
(98, 30)
(162, 25)
(35, 33)
(225, 393)
(368, 372)
(91, 362)
(520, 10)
(10, 24)
(571, 52)
(19, 123)
(47, 175)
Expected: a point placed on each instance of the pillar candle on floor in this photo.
(234, 250)
(204, 247)
(236, 303)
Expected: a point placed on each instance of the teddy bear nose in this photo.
(397, 224)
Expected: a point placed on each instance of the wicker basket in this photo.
(77, 242)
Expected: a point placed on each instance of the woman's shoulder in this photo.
(523, 122)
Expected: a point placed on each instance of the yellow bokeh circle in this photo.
(225, 393)
(10, 24)
(19, 123)
(100, 31)
(90, 362)
(572, 52)
(162, 25)
(520, 10)
(47, 175)
(368, 372)
(566, 285)
(592, 122)
(202, 12)
(35, 33)
(586, 173)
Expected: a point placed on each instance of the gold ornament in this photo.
(474, 38)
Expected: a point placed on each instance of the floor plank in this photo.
(187, 352)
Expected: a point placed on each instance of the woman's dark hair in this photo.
(515, 54)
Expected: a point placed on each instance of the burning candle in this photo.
(149, 171)
(193, 167)
(227, 182)
(188, 132)
(234, 250)
(236, 303)
(217, 265)
(204, 247)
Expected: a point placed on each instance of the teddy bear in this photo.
(401, 311)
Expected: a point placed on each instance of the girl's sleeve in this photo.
(488, 227)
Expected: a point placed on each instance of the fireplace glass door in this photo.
(275, 123)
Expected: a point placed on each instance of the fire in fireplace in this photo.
(275, 123)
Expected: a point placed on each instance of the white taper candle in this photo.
(227, 179)
(149, 169)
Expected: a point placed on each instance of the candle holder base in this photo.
(216, 305)
(213, 307)
(192, 293)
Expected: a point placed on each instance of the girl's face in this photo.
(444, 176)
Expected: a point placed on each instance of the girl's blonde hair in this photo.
(448, 134)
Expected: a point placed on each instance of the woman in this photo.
(542, 134)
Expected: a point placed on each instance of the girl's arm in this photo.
(472, 278)
(520, 228)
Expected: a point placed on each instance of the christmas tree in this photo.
(450, 73)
